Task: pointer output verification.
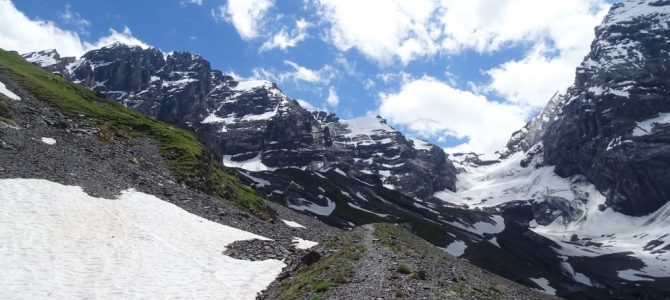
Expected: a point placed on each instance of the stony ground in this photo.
(392, 264)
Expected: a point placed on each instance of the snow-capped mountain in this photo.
(591, 171)
(576, 205)
(252, 124)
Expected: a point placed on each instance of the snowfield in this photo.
(643, 237)
(57, 242)
(8, 93)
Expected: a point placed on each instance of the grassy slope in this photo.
(188, 158)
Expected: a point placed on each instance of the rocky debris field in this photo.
(38, 141)
(384, 261)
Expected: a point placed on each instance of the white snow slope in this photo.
(56, 242)
(491, 185)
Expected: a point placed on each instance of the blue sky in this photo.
(461, 74)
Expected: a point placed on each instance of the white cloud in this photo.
(284, 39)
(531, 81)
(381, 30)
(73, 18)
(26, 35)
(302, 73)
(332, 100)
(247, 16)
(123, 37)
(386, 30)
(190, 2)
(297, 73)
(560, 33)
(431, 108)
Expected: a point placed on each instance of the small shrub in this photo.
(322, 287)
(404, 269)
(498, 287)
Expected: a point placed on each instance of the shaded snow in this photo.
(8, 93)
(644, 127)
(292, 224)
(544, 284)
(366, 210)
(456, 248)
(306, 205)
(60, 243)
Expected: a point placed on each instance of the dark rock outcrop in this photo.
(611, 125)
(254, 120)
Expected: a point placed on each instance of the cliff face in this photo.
(613, 126)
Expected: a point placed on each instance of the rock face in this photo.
(612, 125)
(253, 125)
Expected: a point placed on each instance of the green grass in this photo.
(5, 109)
(188, 159)
(329, 271)
(321, 287)
(404, 269)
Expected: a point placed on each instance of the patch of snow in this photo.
(494, 241)
(43, 58)
(583, 279)
(544, 284)
(366, 210)
(494, 226)
(310, 206)
(59, 242)
(643, 128)
(258, 182)
(251, 84)
(456, 248)
(303, 244)
(421, 145)
(292, 224)
(48, 141)
(366, 126)
(632, 275)
(8, 93)
(338, 171)
(178, 83)
(254, 164)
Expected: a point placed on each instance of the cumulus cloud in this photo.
(26, 35)
(531, 81)
(431, 108)
(381, 30)
(557, 35)
(247, 16)
(332, 100)
(285, 39)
